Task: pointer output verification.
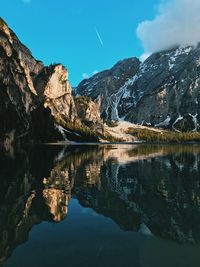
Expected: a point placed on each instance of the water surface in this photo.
(100, 205)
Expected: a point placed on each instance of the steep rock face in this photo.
(104, 87)
(36, 102)
(163, 91)
(89, 113)
(54, 90)
(15, 89)
(171, 90)
(31, 95)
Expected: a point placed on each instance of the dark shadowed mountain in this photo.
(37, 105)
(163, 91)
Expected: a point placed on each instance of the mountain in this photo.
(105, 87)
(36, 103)
(163, 91)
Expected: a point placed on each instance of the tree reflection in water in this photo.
(150, 189)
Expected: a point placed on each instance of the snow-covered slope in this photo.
(163, 91)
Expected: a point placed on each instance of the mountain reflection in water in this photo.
(147, 197)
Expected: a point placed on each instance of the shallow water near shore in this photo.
(100, 205)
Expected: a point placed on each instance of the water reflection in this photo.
(148, 190)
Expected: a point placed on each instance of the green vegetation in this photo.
(151, 136)
(76, 131)
(82, 100)
(112, 139)
(112, 123)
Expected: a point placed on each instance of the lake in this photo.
(100, 205)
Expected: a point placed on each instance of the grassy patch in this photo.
(164, 136)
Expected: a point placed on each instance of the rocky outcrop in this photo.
(89, 114)
(33, 98)
(21, 111)
(104, 87)
(36, 102)
(53, 88)
(162, 92)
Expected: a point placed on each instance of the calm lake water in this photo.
(100, 205)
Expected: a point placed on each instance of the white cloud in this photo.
(95, 72)
(85, 76)
(176, 23)
(144, 56)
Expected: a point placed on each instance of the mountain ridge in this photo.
(37, 103)
(170, 79)
(36, 99)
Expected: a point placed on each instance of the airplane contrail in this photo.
(99, 37)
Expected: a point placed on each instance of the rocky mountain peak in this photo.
(53, 87)
(5, 29)
(163, 91)
(53, 82)
(107, 83)
(30, 92)
(36, 101)
(6, 40)
(59, 84)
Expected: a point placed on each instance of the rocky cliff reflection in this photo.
(152, 189)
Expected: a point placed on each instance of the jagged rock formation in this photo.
(21, 111)
(53, 88)
(163, 91)
(36, 102)
(89, 114)
(104, 87)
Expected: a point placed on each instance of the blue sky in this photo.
(84, 35)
